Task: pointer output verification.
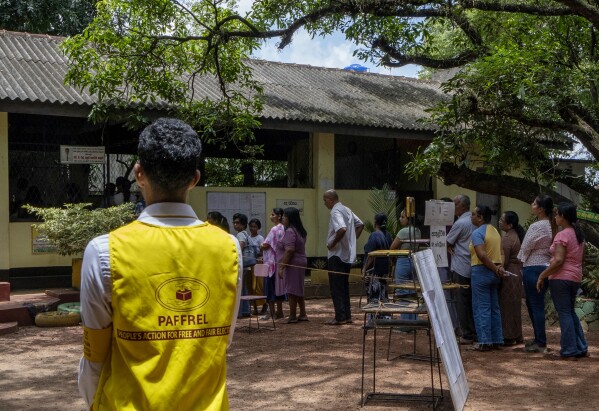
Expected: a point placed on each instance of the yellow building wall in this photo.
(506, 204)
(21, 255)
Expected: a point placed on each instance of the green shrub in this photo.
(71, 227)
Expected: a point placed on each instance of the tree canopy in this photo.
(526, 87)
(55, 17)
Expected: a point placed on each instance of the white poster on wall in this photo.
(82, 154)
(253, 205)
(299, 204)
(439, 212)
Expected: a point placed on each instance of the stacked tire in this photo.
(67, 315)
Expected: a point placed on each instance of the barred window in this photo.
(41, 175)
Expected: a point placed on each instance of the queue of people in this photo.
(284, 253)
(142, 283)
(501, 267)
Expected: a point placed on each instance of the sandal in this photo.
(480, 347)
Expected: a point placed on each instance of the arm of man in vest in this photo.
(96, 315)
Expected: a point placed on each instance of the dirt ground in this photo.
(312, 366)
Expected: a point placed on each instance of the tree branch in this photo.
(403, 59)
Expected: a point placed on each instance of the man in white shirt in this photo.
(169, 152)
(344, 229)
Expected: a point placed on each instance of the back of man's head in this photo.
(169, 152)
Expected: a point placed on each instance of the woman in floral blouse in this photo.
(535, 256)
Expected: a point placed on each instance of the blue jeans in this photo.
(535, 301)
(244, 307)
(485, 305)
(403, 275)
(563, 294)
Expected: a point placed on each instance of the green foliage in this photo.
(55, 17)
(590, 276)
(70, 228)
(384, 201)
(320, 264)
(149, 52)
(226, 172)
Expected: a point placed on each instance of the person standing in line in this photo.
(403, 266)
(123, 191)
(565, 276)
(159, 296)
(458, 242)
(534, 254)
(380, 239)
(274, 285)
(240, 224)
(255, 244)
(293, 263)
(487, 270)
(217, 219)
(344, 229)
(510, 289)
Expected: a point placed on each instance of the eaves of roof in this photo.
(32, 70)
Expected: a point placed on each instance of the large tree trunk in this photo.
(514, 187)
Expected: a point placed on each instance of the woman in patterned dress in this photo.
(510, 289)
(274, 286)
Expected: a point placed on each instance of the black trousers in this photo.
(339, 285)
(464, 306)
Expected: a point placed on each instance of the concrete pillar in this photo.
(323, 172)
(4, 197)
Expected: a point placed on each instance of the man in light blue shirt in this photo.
(458, 242)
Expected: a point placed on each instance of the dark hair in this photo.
(546, 203)
(169, 151)
(295, 221)
(567, 210)
(278, 212)
(256, 221)
(243, 219)
(486, 213)
(380, 219)
(512, 219)
(125, 188)
(219, 220)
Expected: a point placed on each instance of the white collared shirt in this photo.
(343, 217)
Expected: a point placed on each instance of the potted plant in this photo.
(71, 227)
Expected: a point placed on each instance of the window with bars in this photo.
(39, 176)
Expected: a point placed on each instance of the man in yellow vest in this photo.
(159, 296)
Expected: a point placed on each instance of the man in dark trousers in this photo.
(344, 229)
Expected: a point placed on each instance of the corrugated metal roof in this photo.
(32, 69)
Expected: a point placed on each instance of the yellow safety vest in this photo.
(173, 296)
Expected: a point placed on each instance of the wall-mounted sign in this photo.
(81, 155)
(299, 204)
(40, 243)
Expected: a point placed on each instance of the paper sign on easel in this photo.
(439, 214)
(439, 245)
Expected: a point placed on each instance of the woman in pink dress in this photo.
(274, 286)
(291, 252)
